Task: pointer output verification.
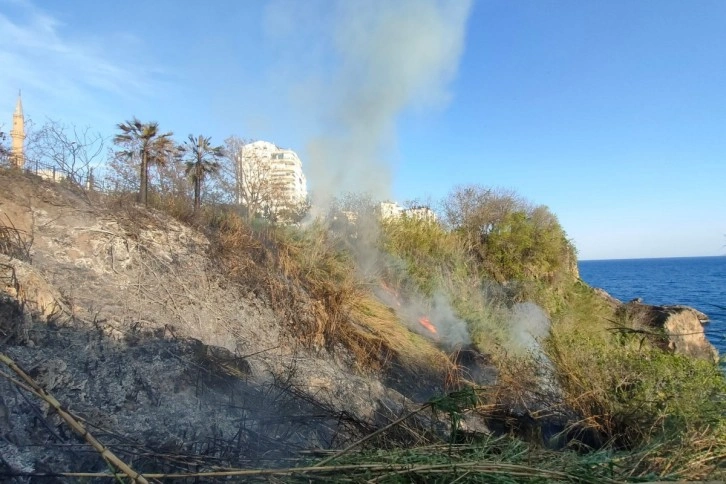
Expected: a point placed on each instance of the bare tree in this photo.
(170, 178)
(122, 174)
(476, 209)
(254, 186)
(66, 151)
(4, 150)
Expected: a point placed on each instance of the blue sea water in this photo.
(699, 282)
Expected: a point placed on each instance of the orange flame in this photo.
(426, 323)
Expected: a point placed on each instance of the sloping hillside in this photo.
(124, 315)
(197, 343)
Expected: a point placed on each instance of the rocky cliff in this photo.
(674, 328)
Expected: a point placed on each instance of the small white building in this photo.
(51, 174)
(392, 210)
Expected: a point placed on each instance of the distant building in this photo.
(392, 210)
(17, 134)
(421, 213)
(275, 173)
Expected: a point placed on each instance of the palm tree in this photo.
(202, 160)
(151, 147)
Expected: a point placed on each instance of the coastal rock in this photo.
(605, 296)
(676, 328)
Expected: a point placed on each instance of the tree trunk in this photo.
(143, 190)
(238, 179)
(197, 190)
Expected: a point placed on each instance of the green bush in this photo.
(511, 239)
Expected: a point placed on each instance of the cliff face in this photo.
(678, 329)
(674, 328)
(120, 313)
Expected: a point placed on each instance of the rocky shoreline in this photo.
(675, 328)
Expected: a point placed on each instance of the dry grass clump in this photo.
(238, 248)
(314, 286)
(595, 390)
(179, 207)
(378, 325)
(307, 275)
(345, 310)
(327, 276)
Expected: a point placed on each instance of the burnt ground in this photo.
(162, 404)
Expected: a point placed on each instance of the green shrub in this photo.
(511, 239)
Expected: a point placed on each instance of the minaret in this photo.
(18, 135)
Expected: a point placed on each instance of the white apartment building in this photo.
(392, 210)
(278, 172)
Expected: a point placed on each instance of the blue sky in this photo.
(613, 113)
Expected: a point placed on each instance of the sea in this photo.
(699, 282)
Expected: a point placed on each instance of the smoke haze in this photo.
(367, 62)
(370, 61)
(528, 325)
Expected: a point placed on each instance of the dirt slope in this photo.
(122, 316)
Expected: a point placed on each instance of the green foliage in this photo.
(497, 459)
(454, 405)
(426, 258)
(522, 246)
(430, 253)
(512, 240)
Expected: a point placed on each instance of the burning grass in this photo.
(601, 391)
(316, 286)
(381, 325)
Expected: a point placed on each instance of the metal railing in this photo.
(83, 177)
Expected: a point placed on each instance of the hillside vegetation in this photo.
(570, 388)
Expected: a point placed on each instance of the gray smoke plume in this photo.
(380, 58)
(394, 55)
(529, 325)
(450, 331)
(369, 61)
